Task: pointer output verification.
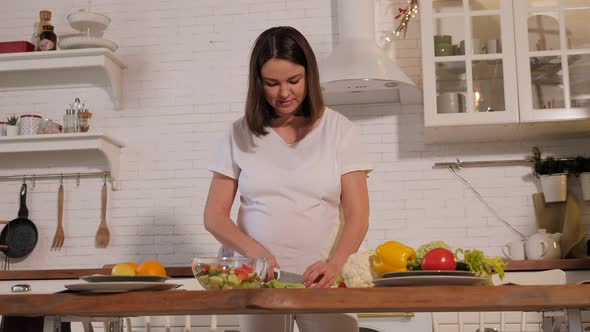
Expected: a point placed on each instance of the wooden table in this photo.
(264, 301)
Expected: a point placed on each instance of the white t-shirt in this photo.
(290, 193)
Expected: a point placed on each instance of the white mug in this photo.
(492, 46)
(477, 47)
(450, 102)
(514, 250)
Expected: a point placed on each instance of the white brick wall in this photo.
(186, 83)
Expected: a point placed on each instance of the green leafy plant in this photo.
(12, 120)
(549, 166)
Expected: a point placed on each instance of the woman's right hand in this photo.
(260, 251)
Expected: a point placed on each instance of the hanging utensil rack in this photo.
(458, 163)
(34, 177)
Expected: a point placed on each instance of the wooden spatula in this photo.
(103, 235)
(58, 238)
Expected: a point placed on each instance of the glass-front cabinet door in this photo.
(553, 56)
(468, 62)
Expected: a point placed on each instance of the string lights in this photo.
(404, 15)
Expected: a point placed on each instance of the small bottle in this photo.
(69, 121)
(75, 126)
(47, 39)
(44, 19)
(66, 127)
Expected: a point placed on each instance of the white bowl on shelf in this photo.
(88, 22)
(78, 42)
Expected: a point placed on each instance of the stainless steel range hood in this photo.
(358, 71)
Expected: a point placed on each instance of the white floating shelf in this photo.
(44, 149)
(93, 67)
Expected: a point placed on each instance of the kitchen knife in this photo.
(288, 277)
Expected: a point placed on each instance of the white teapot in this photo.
(543, 245)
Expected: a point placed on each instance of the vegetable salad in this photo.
(225, 277)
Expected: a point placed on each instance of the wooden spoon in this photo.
(103, 234)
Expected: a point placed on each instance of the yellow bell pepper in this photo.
(393, 256)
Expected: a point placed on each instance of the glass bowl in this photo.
(230, 272)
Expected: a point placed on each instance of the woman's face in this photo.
(284, 85)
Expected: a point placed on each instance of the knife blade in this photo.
(288, 277)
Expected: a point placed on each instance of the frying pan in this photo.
(20, 235)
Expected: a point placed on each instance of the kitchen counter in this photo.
(548, 264)
(259, 301)
(525, 265)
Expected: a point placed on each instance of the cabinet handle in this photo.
(20, 288)
(407, 315)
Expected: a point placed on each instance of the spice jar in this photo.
(44, 19)
(47, 39)
(83, 118)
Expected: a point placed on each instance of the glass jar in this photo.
(49, 127)
(47, 39)
(83, 121)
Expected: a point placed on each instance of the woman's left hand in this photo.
(323, 273)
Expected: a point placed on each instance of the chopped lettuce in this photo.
(279, 284)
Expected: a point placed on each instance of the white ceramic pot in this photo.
(28, 124)
(11, 130)
(543, 245)
(585, 183)
(554, 187)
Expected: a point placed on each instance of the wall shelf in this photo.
(57, 150)
(95, 67)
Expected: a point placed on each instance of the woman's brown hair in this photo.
(285, 43)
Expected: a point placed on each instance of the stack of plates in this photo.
(91, 27)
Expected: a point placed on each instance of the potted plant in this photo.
(583, 170)
(11, 128)
(553, 175)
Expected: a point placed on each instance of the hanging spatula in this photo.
(58, 238)
(103, 234)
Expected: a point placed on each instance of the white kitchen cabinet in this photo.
(498, 69)
(63, 69)
(553, 59)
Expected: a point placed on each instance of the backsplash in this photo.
(186, 82)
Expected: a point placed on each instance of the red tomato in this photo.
(342, 285)
(439, 259)
(246, 268)
(242, 275)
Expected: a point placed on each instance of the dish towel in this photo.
(564, 218)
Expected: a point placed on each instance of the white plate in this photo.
(428, 273)
(431, 280)
(86, 42)
(84, 21)
(120, 287)
(110, 278)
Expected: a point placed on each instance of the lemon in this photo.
(123, 269)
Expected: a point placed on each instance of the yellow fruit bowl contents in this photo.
(230, 272)
(147, 268)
